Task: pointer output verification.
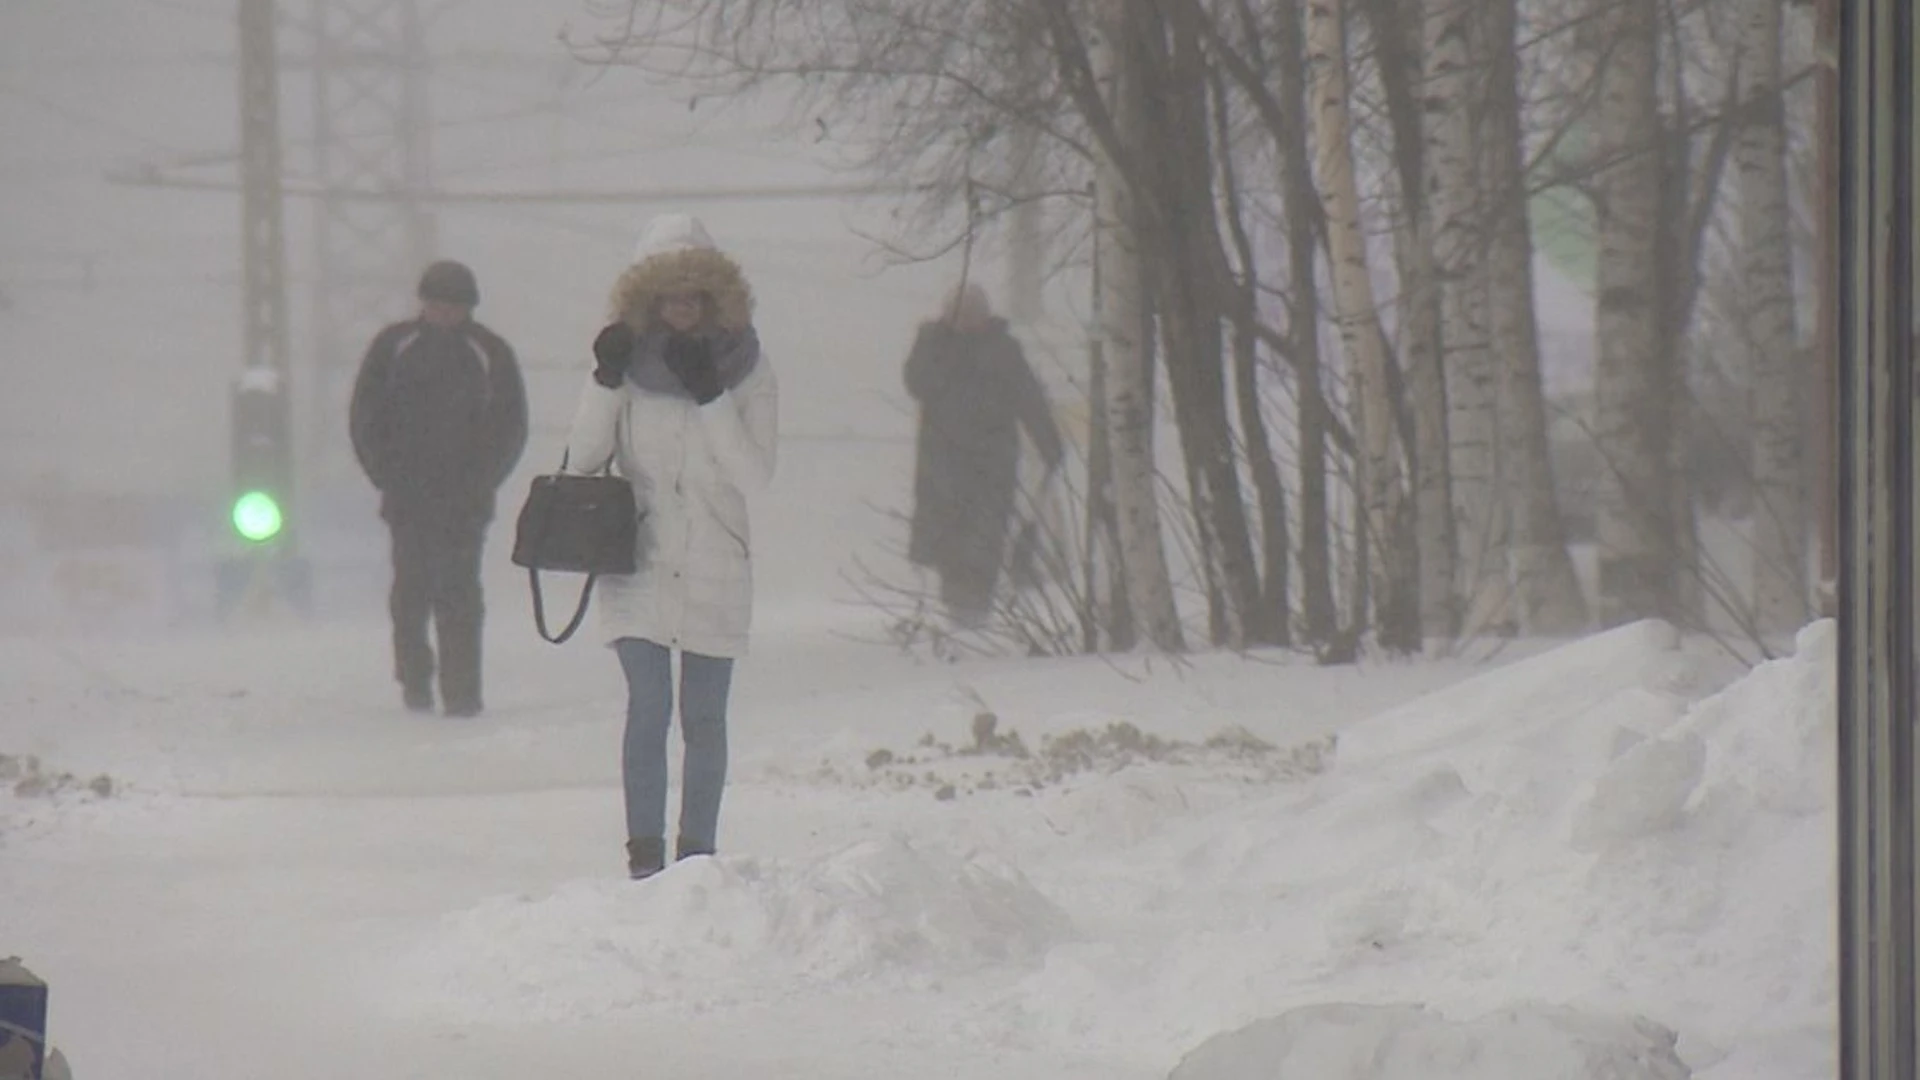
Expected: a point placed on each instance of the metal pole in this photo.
(1877, 495)
(416, 138)
(262, 227)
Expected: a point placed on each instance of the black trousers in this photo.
(436, 577)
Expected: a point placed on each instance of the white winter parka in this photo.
(692, 468)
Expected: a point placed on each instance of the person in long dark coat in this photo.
(977, 394)
(439, 418)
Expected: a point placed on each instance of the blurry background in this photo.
(121, 295)
(491, 138)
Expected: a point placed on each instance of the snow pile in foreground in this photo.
(712, 932)
(1404, 1042)
(1572, 829)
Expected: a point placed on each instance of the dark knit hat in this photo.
(450, 282)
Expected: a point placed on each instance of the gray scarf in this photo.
(735, 353)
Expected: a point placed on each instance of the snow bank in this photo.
(1384, 1042)
(1573, 829)
(712, 932)
(1640, 661)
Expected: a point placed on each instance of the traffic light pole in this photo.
(262, 494)
(262, 226)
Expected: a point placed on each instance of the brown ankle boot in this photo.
(645, 858)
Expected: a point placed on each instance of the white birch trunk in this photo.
(1123, 333)
(1633, 422)
(1452, 101)
(1395, 599)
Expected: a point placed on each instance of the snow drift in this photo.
(717, 931)
(1388, 1042)
(1572, 829)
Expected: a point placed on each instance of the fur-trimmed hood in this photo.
(675, 254)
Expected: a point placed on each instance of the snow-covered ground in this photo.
(290, 877)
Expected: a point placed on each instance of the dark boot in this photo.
(417, 698)
(689, 849)
(646, 858)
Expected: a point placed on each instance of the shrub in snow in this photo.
(997, 759)
(29, 779)
(1406, 1042)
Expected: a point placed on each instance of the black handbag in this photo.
(576, 524)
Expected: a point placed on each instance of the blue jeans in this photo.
(704, 682)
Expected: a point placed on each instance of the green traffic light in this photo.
(256, 517)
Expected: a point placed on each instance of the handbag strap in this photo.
(540, 608)
(566, 453)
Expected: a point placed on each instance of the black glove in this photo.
(690, 358)
(612, 354)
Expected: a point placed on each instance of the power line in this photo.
(154, 178)
(79, 116)
(225, 157)
(190, 9)
(484, 60)
(495, 167)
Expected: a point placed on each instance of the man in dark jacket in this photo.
(977, 395)
(439, 419)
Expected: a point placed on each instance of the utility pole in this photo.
(262, 444)
(263, 234)
(370, 133)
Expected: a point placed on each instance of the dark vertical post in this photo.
(1877, 550)
(262, 227)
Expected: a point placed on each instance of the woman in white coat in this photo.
(683, 404)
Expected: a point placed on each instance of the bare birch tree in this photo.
(1399, 60)
(1275, 83)
(1124, 342)
(1780, 515)
(1453, 102)
(1395, 588)
(1548, 591)
(1633, 421)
